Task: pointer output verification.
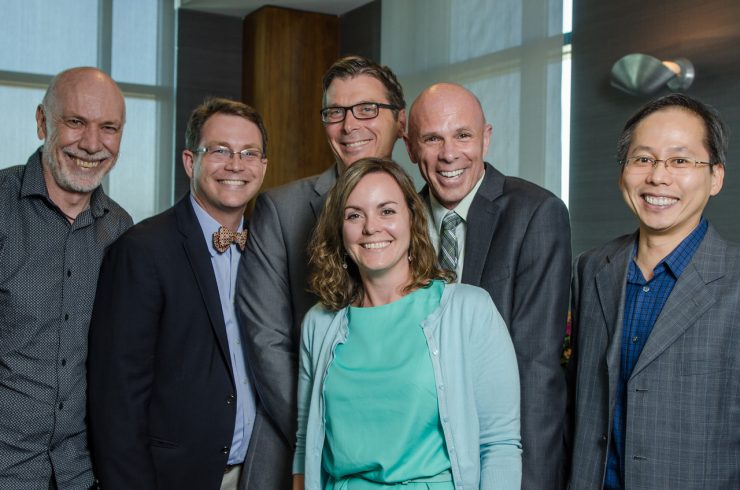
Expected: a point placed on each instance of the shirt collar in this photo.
(680, 257)
(462, 208)
(33, 184)
(208, 225)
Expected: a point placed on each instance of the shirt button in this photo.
(441, 387)
(435, 352)
(635, 339)
(225, 449)
(230, 399)
(66, 317)
(61, 406)
(646, 288)
(64, 362)
(69, 273)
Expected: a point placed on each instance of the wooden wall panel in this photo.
(286, 53)
(708, 33)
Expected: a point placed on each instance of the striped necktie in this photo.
(448, 241)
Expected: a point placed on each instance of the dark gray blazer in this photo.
(683, 397)
(517, 247)
(271, 300)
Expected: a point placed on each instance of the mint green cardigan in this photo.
(475, 370)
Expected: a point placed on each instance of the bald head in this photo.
(81, 121)
(448, 138)
(75, 79)
(445, 97)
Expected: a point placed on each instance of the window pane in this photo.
(135, 41)
(48, 36)
(484, 27)
(18, 124)
(503, 112)
(132, 183)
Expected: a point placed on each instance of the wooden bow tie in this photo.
(223, 238)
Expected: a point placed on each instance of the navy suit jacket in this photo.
(161, 389)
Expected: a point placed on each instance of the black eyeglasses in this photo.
(363, 110)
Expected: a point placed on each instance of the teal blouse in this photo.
(382, 415)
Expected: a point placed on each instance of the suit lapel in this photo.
(324, 183)
(199, 259)
(690, 298)
(482, 218)
(610, 289)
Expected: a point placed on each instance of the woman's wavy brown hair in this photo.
(338, 287)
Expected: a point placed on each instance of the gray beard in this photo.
(66, 181)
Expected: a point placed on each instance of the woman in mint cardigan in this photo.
(406, 380)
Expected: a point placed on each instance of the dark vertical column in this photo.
(209, 63)
(359, 31)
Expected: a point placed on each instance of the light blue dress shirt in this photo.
(225, 266)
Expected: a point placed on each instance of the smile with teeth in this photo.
(451, 173)
(355, 144)
(376, 245)
(232, 182)
(660, 200)
(86, 163)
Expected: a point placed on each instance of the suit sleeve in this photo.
(538, 322)
(497, 401)
(263, 303)
(123, 334)
(569, 429)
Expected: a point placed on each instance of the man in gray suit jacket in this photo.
(512, 238)
(364, 114)
(656, 318)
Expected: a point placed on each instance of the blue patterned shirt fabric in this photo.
(644, 300)
(48, 272)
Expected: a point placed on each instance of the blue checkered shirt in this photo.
(644, 301)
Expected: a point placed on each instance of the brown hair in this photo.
(354, 66)
(338, 287)
(217, 105)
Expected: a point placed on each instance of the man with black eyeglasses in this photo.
(363, 115)
(655, 372)
(171, 401)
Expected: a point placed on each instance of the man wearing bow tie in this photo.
(171, 401)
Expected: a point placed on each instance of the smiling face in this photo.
(81, 123)
(353, 139)
(224, 189)
(667, 205)
(448, 138)
(377, 229)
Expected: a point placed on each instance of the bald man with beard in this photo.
(512, 238)
(55, 223)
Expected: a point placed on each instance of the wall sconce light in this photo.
(642, 74)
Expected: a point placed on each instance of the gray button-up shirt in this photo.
(48, 273)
